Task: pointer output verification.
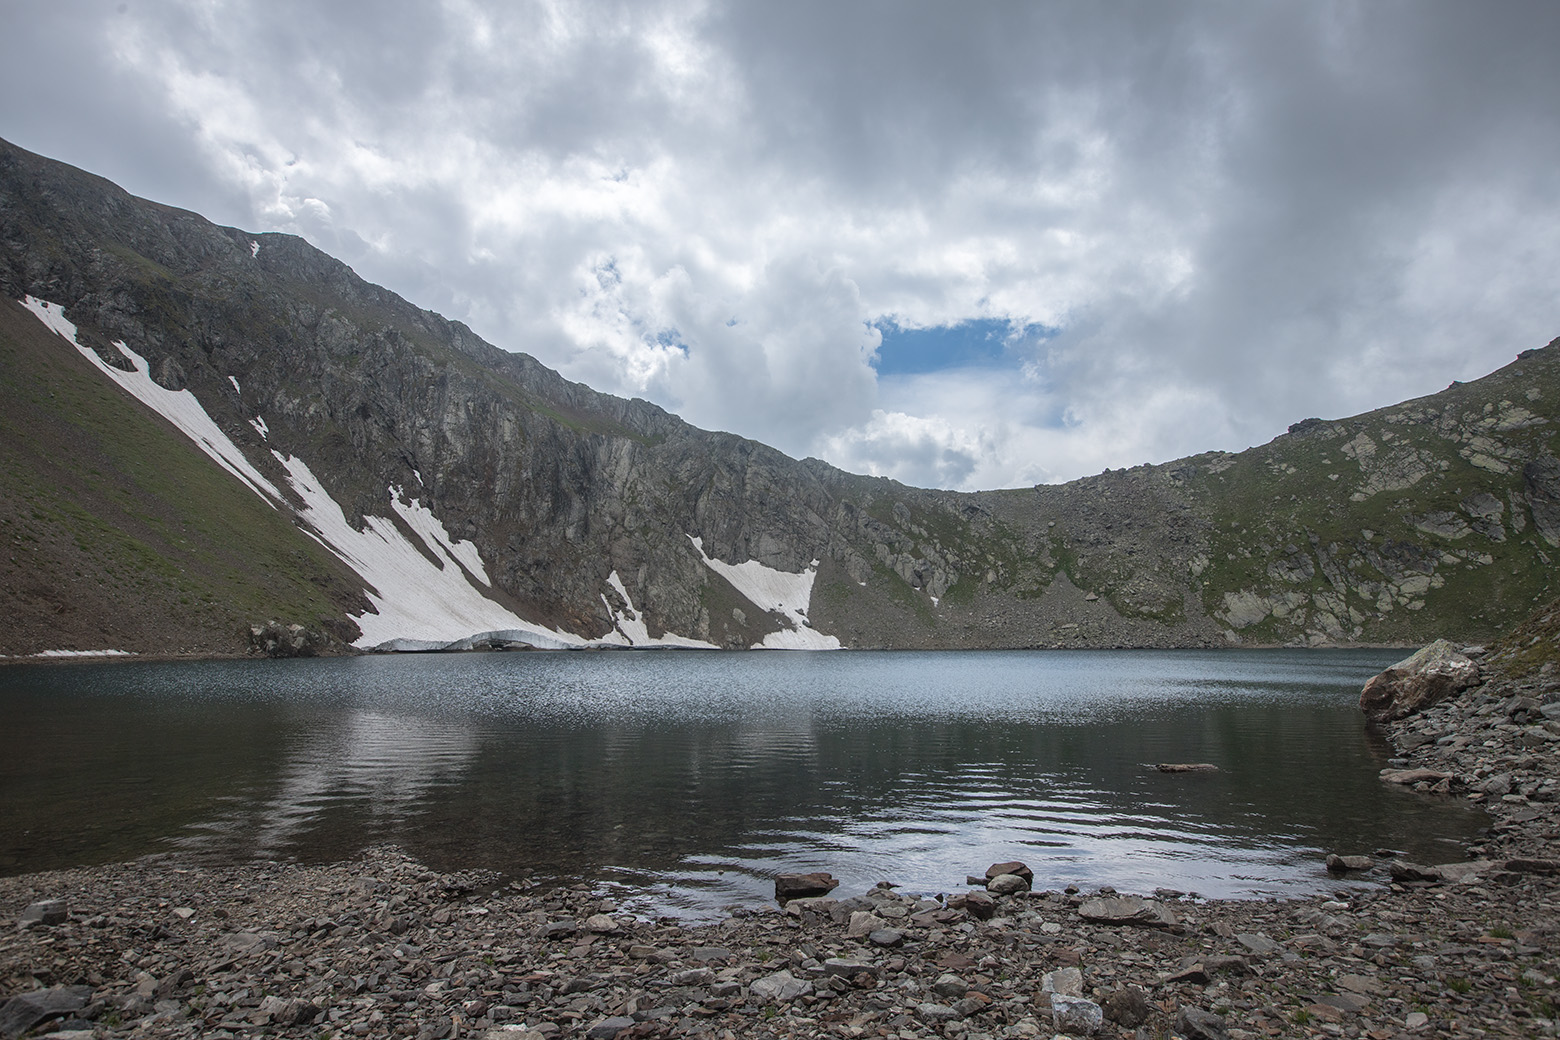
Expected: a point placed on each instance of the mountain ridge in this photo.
(1430, 517)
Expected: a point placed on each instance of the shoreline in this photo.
(379, 945)
(133, 656)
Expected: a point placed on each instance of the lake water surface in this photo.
(689, 779)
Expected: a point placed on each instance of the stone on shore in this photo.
(43, 913)
(1067, 982)
(996, 870)
(1127, 910)
(1418, 775)
(1127, 1007)
(781, 987)
(1076, 1015)
(1007, 884)
(28, 1010)
(1418, 682)
(1197, 1024)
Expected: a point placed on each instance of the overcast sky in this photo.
(964, 246)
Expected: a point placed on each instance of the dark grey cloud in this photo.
(1235, 215)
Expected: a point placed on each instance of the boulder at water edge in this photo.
(802, 886)
(1413, 684)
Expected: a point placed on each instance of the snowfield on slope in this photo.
(774, 590)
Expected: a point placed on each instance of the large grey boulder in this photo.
(1417, 682)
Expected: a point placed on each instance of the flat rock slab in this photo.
(1258, 944)
(1413, 776)
(1128, 910)
(21, 1013)
(1187, 767)
(781, 987)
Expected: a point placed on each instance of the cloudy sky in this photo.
(961, 247)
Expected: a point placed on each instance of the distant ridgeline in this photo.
(203, 430)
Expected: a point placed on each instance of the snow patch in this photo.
(236, 388)
(418, 604)
(177, 406)
(85, 653)
(261, 428)
(784, 593)
(429, 528)
(418, 475)
(631, 629)
(254, 249)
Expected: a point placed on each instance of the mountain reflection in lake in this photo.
(691, 778)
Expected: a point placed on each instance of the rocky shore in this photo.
(383, 947)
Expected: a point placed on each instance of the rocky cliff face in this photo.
(599, 518)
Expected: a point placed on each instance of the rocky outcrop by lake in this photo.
(384, 946)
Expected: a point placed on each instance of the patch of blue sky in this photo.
(976, 343)
(669, 339)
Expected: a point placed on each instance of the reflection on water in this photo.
(691, 778)
(362, 762)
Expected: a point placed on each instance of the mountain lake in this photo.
(681, 782)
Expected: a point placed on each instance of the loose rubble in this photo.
(381, 946)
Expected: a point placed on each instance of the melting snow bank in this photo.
(781, 592)
(85, 653)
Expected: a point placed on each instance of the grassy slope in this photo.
(1294, 494)
(119, 533)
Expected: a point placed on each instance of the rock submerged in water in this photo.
(1417, 682)
(1337, 864)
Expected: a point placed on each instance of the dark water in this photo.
(691, 778)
